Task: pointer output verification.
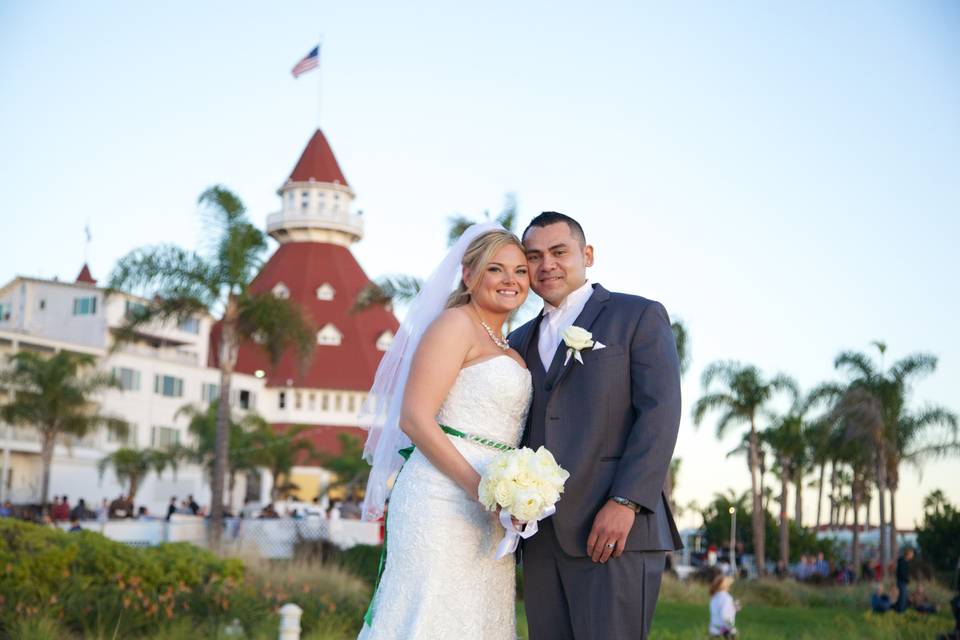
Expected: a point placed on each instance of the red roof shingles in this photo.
(302, 267)
(85, 276)
(318, 163)
(325, 439)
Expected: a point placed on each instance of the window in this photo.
(164, 437)
(338, 402)
(329, 336)
(129, 379)
(5, 309)
(325, 402)
(351, 403)
(312, 401)
(297, 400)
(245, 399)
(190, 325)
(131, 309)
(168, 386)
(130, 440)
(280, 290)
(325, 292)
(85, 306)
(43, 305)
(385, 340)
(282, 400)
(210, 392)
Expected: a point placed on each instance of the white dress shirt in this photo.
(558, 319)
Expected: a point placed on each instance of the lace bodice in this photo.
(489, 399)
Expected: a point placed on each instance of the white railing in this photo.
(273, 539)
(166, 354)
(350, 222)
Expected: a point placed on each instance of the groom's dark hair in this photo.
(553, 217)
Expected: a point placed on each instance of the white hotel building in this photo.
(169, 366)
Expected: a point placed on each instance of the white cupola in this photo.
(316, 201)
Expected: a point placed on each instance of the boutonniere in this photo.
(577, 339)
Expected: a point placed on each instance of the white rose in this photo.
(504, 493)
(527, 505)
(577, 338)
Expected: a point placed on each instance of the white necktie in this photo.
(548, 338)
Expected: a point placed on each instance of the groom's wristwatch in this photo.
(630, 504)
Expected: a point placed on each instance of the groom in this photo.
(610, 414)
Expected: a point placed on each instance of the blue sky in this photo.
(785, 178)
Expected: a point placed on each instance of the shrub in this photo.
(362, 560)
(100, 588)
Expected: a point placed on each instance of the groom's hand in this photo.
(610, 527)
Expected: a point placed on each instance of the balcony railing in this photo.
(349, 222)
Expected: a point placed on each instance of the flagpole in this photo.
(319, 79)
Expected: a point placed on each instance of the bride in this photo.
(448, 380)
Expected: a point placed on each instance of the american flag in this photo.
(310, 61)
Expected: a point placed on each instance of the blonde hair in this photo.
(477, 256)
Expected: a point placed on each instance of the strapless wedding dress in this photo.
(440, 580)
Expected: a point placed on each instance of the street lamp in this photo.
(733, 541)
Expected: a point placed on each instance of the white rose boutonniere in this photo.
(577, 339)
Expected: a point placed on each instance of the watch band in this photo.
(627, 503)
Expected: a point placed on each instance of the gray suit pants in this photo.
(570, 598)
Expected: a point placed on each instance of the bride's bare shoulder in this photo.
(453, 321)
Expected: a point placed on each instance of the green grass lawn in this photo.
(688, 621)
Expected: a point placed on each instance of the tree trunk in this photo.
(134, 487)
(784, 516)
(855, 550)
(823, 472)
(48, 440)
(221, 450)
(233, 483)
(798, 498)
(894, 551)
(834, 496)
(757, 515)
(882, 508)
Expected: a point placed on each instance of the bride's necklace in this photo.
(497, 340)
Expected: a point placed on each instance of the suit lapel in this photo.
(591, 310)
(527, 337)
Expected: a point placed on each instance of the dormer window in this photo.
(325, 292)
(329, 336)
(280, 290)
(385, 340)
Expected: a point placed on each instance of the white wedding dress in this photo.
(440, 580)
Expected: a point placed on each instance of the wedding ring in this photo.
(610, 545)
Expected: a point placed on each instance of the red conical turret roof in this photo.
(318, 163)
(85, 275)
(303, 267)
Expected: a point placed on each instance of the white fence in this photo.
(268, 538)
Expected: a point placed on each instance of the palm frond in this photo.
(166, 271)
(783, 382)
(508, 216)
(858, 363)
(915, 364)
(682, 337)
(280, 323)
(240, 255)
(725, 371)
(457, 225)
(711, 402)
(387, 290)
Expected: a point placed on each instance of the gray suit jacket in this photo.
(612, 421)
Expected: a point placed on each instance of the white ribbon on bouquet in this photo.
(514, 532)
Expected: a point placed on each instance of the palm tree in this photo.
(180, 283)
(912, 445)
(881, 419)
(131, 466)
(203, 425)
(53, 394)
(279, 452)
(935, 501)
(351, 469)
(742, 396)
(785, 438)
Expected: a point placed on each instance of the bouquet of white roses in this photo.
(526, 485)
